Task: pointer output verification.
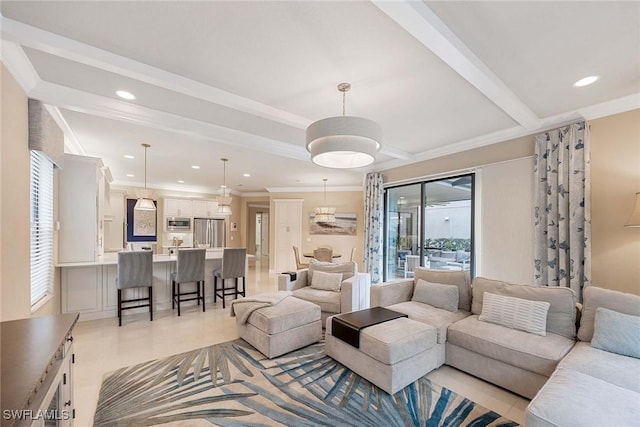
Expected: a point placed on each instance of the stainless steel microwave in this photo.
(172, 223)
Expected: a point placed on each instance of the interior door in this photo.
(288, 233)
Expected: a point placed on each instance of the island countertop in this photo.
(111, 258)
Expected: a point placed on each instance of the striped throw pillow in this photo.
(515, 313)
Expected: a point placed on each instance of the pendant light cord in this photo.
(145, 164)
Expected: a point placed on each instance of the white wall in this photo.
(505, 229)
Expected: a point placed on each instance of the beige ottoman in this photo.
(391, 355)
(289, 325)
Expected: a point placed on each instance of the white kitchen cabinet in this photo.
(178, 207)
(205, 208)
(82, 191)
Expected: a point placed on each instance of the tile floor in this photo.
(101, 347)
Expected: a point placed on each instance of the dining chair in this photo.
(234, 262)
(134, 270)
(189, 268)
(323, 254)
(353, 253)
(299, 264)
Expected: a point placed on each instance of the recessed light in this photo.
(129, 156)
(586, 81)
(246, 174)
(125, 95)
(130, 175)
(195, 167)
(180, 181)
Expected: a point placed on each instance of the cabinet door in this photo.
(204, 208)
(178, 207)
(81, 289)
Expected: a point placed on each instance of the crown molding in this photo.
(312, 189)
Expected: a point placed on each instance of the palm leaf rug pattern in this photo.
(232, 384)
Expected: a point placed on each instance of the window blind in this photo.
(41, 227)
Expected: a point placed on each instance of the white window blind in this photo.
(41, 227)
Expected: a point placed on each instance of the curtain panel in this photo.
(562, 235)
(374, 214)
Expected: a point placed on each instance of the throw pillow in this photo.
(348, 268)
(327, 281)
(616, 332)
(515, 313)
(436, 295)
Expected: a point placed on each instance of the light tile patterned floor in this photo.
(101, 347)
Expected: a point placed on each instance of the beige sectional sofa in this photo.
(596, 386)
(583, 384)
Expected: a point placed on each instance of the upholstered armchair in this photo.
(335, 287)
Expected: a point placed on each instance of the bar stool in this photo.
(233, 267)
(189, 268)
(135, 270)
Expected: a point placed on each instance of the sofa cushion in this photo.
(515, 313)
(327, 281)
(348, 269)
(527, 351)
(573, 398)
(607, 366)
(561, 318)
(461, 279)
(394, 341)
(328, 301)
(594, 297)
(436, 295)
(616, 332)
(424, 313)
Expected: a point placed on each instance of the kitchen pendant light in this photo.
(344, 141)
(145, 197)
(224, 201)
(325, 214)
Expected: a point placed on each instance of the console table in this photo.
(37, 371)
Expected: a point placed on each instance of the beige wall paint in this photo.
(344, 202)
(15, 275)
(615, 178)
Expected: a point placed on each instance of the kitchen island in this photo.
(89, 288)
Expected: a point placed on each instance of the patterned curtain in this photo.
(373, 217)
(562, 236)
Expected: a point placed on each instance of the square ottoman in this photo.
(391, 355)
(289, 325)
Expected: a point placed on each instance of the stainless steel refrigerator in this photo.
(208, 233)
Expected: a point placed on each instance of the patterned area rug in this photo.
(232, 384)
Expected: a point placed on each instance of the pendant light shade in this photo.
(344, 141)
(224, 201)
(325, 214)
(634, 220)
(145, 197)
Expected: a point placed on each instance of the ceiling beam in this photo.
(82, 53)
(422, 23)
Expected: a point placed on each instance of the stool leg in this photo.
(119, 307)
(235, 294)
(223, 294)
(151, 303)
(215, 288)
(178, 298)
(202, 295)
(173, 294)
(198, 292)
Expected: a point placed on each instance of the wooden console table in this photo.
(37, 371)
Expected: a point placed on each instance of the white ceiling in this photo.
(243, 80)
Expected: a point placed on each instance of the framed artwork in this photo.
(345, 225)
(141, 225)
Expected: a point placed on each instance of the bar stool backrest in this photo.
(190, 266)
(135, 269)
(234, 262)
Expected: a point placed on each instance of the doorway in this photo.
(262, 234)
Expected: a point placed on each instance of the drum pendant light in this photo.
(344, 141)
(145, 197)
(325, 213)
(224, 201)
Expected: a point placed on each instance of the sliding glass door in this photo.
(429, 224)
